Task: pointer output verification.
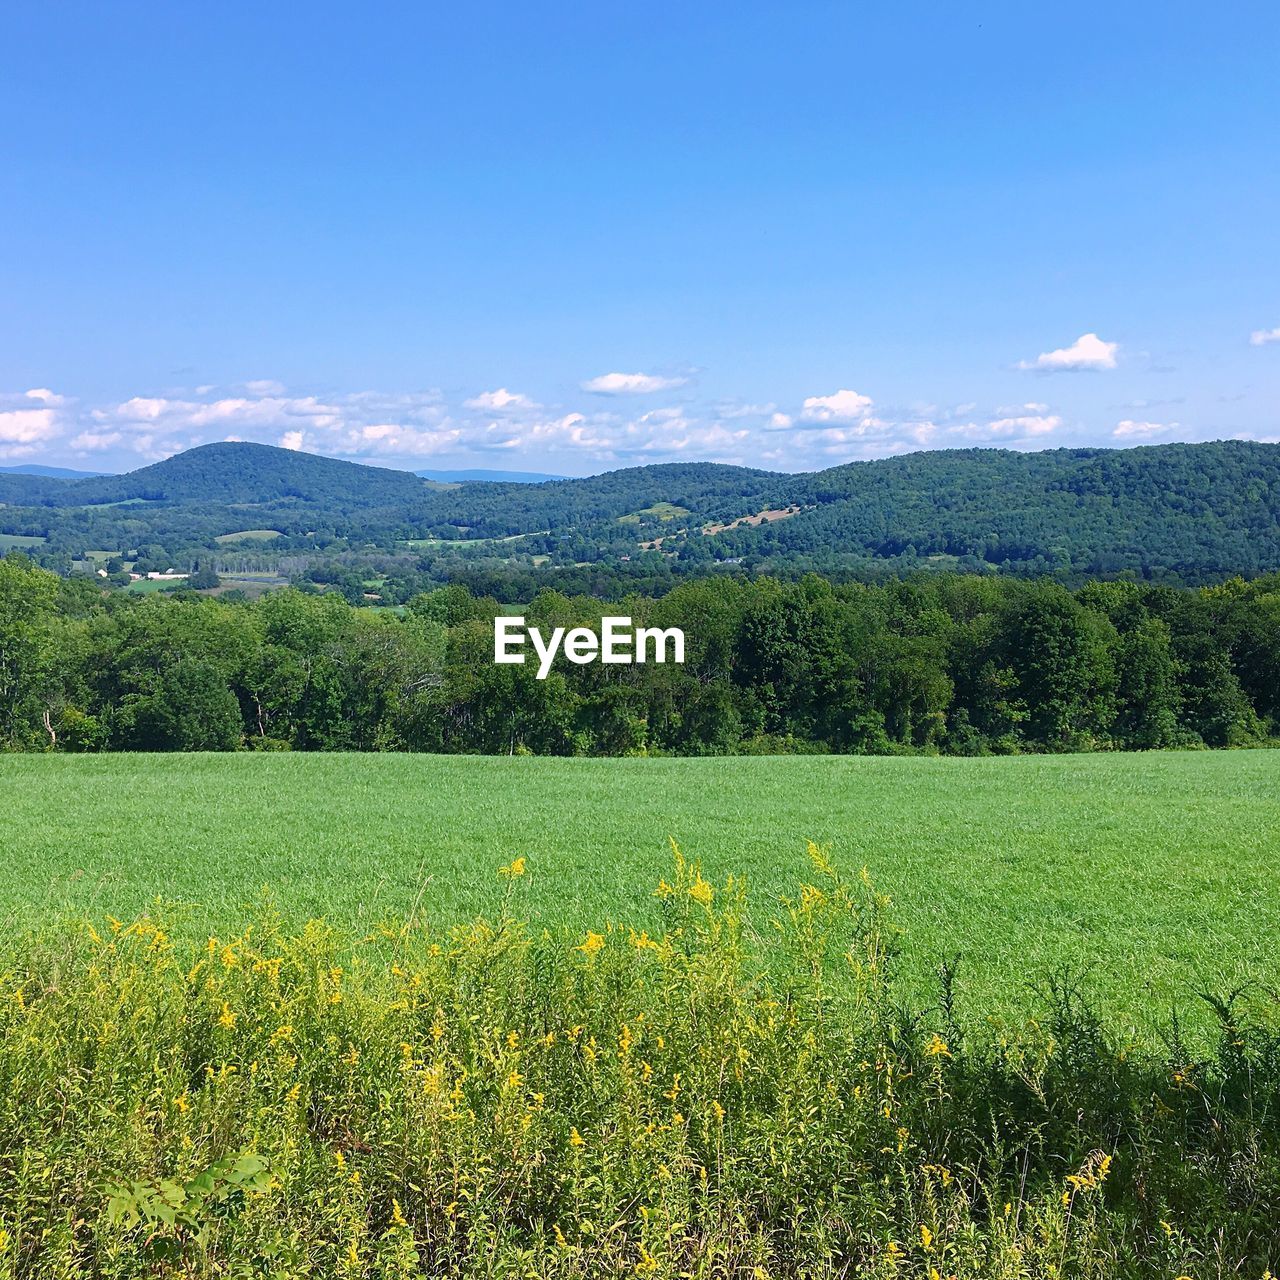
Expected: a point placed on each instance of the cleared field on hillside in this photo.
(1156, 870)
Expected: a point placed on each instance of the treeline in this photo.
(945, 663)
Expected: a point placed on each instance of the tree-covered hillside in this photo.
(1178, 512)
(21, 488)
(1176, 507)
(241, 473)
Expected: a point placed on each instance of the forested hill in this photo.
(1188, 512)
(21, 488)
(241, 473)
(1179, 506)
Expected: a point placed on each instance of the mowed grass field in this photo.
(1158, 873)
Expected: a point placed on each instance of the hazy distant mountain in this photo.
(497, 477)
(49, 473)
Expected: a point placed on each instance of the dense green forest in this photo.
(1177, 513)
(938, 663)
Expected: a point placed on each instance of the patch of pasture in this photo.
(1154, 872)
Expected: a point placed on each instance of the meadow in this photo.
(1151, 875)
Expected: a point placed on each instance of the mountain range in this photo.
(1184, 509)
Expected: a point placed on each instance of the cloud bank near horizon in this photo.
(613, 422)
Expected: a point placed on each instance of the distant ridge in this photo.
(495, 477)
(50, 473)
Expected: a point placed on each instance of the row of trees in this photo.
(949, 663)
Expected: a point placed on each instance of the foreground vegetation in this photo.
(496, 1100)
(954, 664)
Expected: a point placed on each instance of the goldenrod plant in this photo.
(729, 1094)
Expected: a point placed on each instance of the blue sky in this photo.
(571, 237)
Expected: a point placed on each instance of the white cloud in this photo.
(1130, 430)
(1021, 426)
(24, 430)
(261, 387)
(1258, 338)
(138, 409)
(265, 411)
(630, 384)
(399, 440)
(28, 426)
(667, 432)
(499, 401)
(1087, 352)
(843, 406)
(365, 422)
(92, 441)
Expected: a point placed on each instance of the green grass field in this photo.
(1157, 871)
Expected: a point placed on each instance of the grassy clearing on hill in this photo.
(249, 535)
(1156, 872)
